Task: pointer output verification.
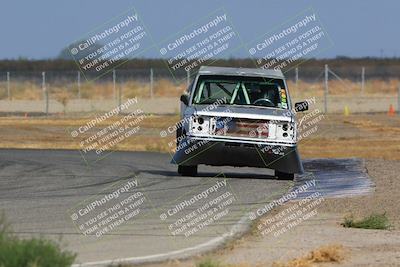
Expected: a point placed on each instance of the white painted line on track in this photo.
(239, 227)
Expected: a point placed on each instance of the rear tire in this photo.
(187, 170)
(284, 175)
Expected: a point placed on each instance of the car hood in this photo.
(243, 112)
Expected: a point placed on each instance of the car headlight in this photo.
(199, 125)
(286, 130)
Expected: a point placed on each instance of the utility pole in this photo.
(188, 78)
(45, 93)
(326, 91)
(119, 96)
(79, 85)
(151, 82)
(362, 80)
(8, 86)
(114, 78)
(297, 76)
(398, 100)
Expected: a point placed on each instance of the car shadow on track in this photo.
(244, 175)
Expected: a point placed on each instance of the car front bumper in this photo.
(271, 155)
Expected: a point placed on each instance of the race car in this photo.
(238, 117)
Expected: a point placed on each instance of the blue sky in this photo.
(40, 29)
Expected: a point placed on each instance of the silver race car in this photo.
(238, 117)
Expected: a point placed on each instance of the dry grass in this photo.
(54, 133)
(244, 264)
(354, 136)
(151, 121)
(363, 136)
(345, 87)
(324, 254)
(91, 90)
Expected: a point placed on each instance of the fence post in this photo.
(45, 93)
(398, 100)
(326, 91)
(79, 85)
(114, 78)
(151, 82)
(119, 96)
(362, 79)
(188, 78)
(8, 86)
(297, 76)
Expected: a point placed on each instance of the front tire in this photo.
(284, 175)
(180, 134)
(187, 170)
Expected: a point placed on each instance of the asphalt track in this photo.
(42, 190)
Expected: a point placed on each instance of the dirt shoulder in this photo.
(361, 247)
(338, 136)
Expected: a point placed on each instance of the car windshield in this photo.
(239, 90)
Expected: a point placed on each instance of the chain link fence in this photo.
(360, 90)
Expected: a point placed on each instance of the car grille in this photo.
(246, 128)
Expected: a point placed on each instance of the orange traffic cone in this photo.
(391, 111)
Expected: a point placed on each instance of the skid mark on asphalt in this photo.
(336, 177)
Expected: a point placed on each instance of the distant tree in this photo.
(342, 57)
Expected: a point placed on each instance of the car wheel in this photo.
(187, 170)
(284, 175)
